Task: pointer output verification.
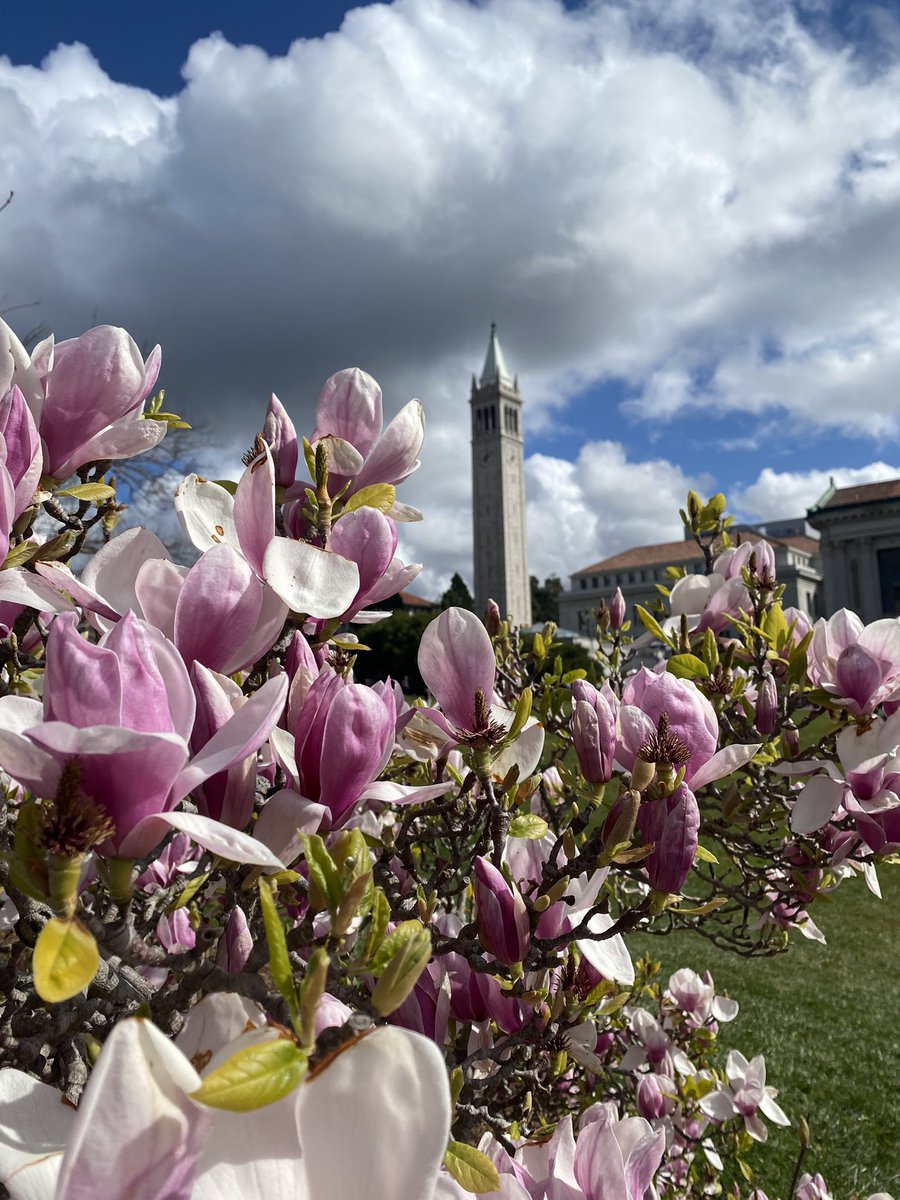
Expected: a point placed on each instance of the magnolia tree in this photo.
(270, 932)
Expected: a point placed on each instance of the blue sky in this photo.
(684, 216)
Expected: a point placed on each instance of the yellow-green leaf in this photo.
(279, 962)
(650, 623)
(66, 959)
(194, 884)
(257, 1075)
(89, 491)
(21, 554)
(410, 945)
(527, 825)
(687, 666)
(472, 1170)
(706, 855)
(377, 495)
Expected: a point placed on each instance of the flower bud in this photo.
(501, 915)
(235, 946)
(619, 825)
(672, 824)
(593, 727)
(790, 740)
(767, 706)
(617, 610)
(642, 775)
(492, 618)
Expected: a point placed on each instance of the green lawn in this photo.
(827, 1019)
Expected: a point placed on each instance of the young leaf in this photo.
(472, 1170)
(687, 666)
(651, 624)
(258, 1075)
(279, 962)
(377, 495)
(89, 491)
(322, 871)
(410, 945)
(527, 825)
(65, 960)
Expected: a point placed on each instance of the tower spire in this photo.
(495, 369)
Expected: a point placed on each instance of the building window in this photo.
(594, 581)
(631, 576)
(854, 584)
(583, 584)
(889, 578)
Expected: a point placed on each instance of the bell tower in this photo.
(498, 490)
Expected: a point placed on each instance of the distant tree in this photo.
(393, 650)
(545, 598)
(457, 594)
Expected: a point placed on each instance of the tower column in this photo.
(498, 490)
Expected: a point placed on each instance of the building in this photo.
(860, 540)
(638, 571)
(498, 489)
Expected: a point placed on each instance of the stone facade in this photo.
(498, 490)
(638, 571)
(860, 540)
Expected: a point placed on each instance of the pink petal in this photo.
(456, 660)
(309, 580)
(254, 509)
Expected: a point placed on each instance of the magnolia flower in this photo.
(373, 1122)
(86, 395)
(858, 665)
(123, 711)
(746, 1096)
(696, 997)
(501, 914)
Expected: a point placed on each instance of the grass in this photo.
(827, 1019)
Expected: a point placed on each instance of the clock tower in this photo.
(498, 490)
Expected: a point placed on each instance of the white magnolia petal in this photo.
(214, 1022)
(719, 1106)
(722, 763)
(137, 1134)
(387, 792)
(343, 457)
(206, 512)
(24, 587)
(35, 1125)
(610, 957)
(309, 580)
(524, 753)
(769, 1108)
(282, 743)
(375, 1121)
(816, 804)
(221, 839)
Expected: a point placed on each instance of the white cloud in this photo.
(582, 512)
(701, 199)
(777, 494)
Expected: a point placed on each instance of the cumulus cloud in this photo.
(697, 199)
(777, 494)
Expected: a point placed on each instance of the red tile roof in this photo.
(675, 553)
(865, 493)
(409, 600)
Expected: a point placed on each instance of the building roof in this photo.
(674, 553)
(410, 600)
(495, 369)
(862, 493)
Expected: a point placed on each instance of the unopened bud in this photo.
(64, 875)
(492, 618)
(790, 740)
(803, 1133)
(766, 706)
(619, 826)
(617, 610)
(642, 774)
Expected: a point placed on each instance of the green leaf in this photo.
(471, 1169)
(381, 915)
(528, 825)
(377, 495)
(651, 624)
(89, 491)
(279, 961)
(311, 990)
(257, 1075)
(21, 554)
(65, 960)
(322, 871)
(54, 548)
(687, 666)
(194, 885)
(409, 948)
(228, 484)
(706, 855)
(523, 712)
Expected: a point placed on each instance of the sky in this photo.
(683, 215)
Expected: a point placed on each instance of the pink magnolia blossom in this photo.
(501, 914)
(745, 1096)
(593, 727)
(124, 709)
(858, 665)
(672, 825)
(89, 400)
(456, 661)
